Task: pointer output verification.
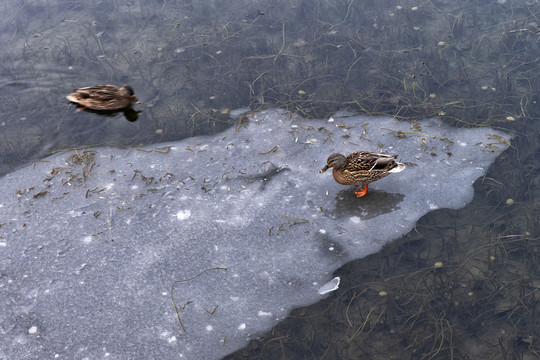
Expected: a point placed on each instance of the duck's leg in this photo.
(361, 192)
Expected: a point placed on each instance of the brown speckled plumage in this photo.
(103, 97)
(361, 168)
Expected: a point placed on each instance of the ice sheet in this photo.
(91, 242)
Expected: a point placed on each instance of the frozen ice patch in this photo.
(330, 286)
(236, 113)
(74, 213)
(183, 214)
(355, 219)
(278, 238)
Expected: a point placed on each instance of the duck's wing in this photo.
(384, 162)
(360, 161)
(98, 92)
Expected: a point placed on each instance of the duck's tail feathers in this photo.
(400, 167)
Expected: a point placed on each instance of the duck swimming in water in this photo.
(103, 97)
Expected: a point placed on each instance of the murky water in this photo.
(465, 283)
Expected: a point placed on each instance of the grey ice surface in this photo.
(91, 242)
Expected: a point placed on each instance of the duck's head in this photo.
(131, 93)
(336, 161)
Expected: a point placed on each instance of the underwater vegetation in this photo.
(472, 63)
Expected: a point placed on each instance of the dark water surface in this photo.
(464, 283)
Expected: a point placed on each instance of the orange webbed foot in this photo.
(361, 192)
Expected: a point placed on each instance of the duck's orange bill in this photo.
(324, 169)
(134, 99)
